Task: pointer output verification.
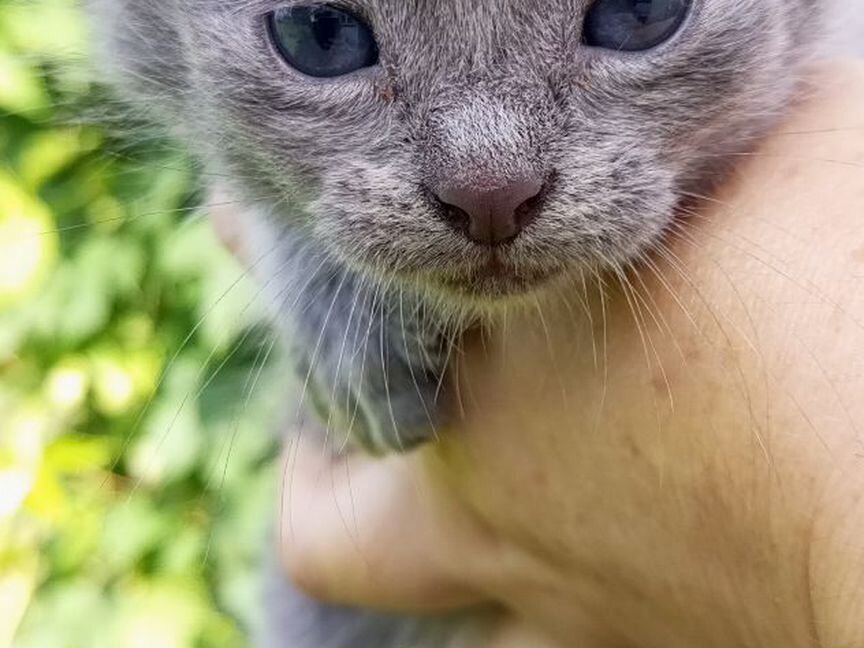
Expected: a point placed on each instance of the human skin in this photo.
(679, 463)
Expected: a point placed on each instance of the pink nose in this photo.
(491, 217)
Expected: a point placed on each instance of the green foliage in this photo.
(136, 463)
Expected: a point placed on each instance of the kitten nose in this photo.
(491, 217)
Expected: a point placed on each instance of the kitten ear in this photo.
(138, 45)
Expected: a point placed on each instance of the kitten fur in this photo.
(369, 280)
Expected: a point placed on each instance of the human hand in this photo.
(672, 461)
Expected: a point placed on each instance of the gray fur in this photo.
(372, 281)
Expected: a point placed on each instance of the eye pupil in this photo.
(633, 25)
(323, 41)
(325, 29)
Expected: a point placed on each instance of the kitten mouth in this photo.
(495, 279)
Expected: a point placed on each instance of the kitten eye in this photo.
(323, 41)
(633, 25)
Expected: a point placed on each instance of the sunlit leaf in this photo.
(113, 386)
(17, 583)
(65, 616)
(48, 152)
(76, 453)
(134, 527)
(50, 27)
(67, 384)
(48, 499)
(173, 437)
(28, 241)
(163, 613)
(146, 501)
(21, 88)
(22, 440)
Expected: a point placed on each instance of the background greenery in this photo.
(135, 467)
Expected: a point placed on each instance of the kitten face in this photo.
(468, 91)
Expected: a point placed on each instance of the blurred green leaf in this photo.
(48, 152)
(136, 470)
(53, 28)
(65, 616)
(133, 528)
(28, 243)
(21, 89)
(164, 613)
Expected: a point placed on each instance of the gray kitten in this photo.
(410, 166)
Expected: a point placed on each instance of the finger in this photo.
(372, 533)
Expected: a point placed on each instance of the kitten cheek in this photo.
(407, 244)
(386, 234)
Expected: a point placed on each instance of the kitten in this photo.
(409, 167)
